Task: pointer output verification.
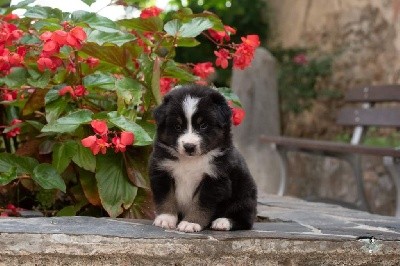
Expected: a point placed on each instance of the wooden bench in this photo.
(368, 108)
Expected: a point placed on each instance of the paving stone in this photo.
(301, 234)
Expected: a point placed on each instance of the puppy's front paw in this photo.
(189, 227)
(222, 224)
(165, 220)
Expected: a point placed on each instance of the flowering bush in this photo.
(78, 91)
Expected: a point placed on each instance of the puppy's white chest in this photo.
(188, 173)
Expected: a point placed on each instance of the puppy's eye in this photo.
(178, 127)
(203, 126)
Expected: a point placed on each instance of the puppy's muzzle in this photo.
(190, 148)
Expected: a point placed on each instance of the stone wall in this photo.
(364, 38)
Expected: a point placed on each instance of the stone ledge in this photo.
(295, 232)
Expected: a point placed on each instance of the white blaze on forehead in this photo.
(189, 108)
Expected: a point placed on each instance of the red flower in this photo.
(9, 95)
(127, 138)
(71, 68)
(222, 58)
(45, 36)
(51, 47)
(150, 12)
(92, 61)
(89, 141)
(78, 33)
(10, 16)
(95, 144)
(203, 70)
(220, 36)
(51, 63)
(9, 33)
(16, 130)
(245, 51)
(251, 40)
(75, 37)
(99, 127)
(300, 59)
(65, 90)
(166, 84)
(238, 115)
(80, 91)
(60, 37)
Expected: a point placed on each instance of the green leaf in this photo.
(136, 168)
(95, 21)
(190, 29)
(71, 210)
(7, 177)
(62, 154)
(35, 102)
(47, 24)
(23, 165)
(172, 69)
(84, 158)
(22, 4)
(118, 38)
(40, 82)
(43, 12)
(89, 2)
(47, 177)
(35, 124)
(230, 95)
(187, 42)
(109, 53)
(116, 192)
(152, 24)
(155, 81)
(100, 80)
(16, 78)
(129, 90)
(54, 109)
(30, 39)
(89, 187)
(142, 138)
(70, 122)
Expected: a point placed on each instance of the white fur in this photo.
(189, 106)
(189, 227)
(222, 224)
(188, 173)
(165, 220)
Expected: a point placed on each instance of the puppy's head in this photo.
(193, 120)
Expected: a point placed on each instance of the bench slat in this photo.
(384, 117)
(296, 144)
(384, 93)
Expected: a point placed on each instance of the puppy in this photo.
(198, 178)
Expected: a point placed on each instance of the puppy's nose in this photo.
(189, 148)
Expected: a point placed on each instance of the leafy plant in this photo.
(297, 79)
(78, 92)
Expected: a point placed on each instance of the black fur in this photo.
(231, 192)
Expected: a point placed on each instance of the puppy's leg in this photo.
(240, 215)
(166, 206)
(195, 219)
(211, 191)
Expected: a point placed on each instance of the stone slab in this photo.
(290, 231)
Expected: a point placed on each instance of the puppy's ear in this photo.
(223, 110)
(160, 113)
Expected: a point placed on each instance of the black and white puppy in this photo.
(198, 178)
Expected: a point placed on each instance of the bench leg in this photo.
(355, 162)
(393, 166)
(283, 172)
